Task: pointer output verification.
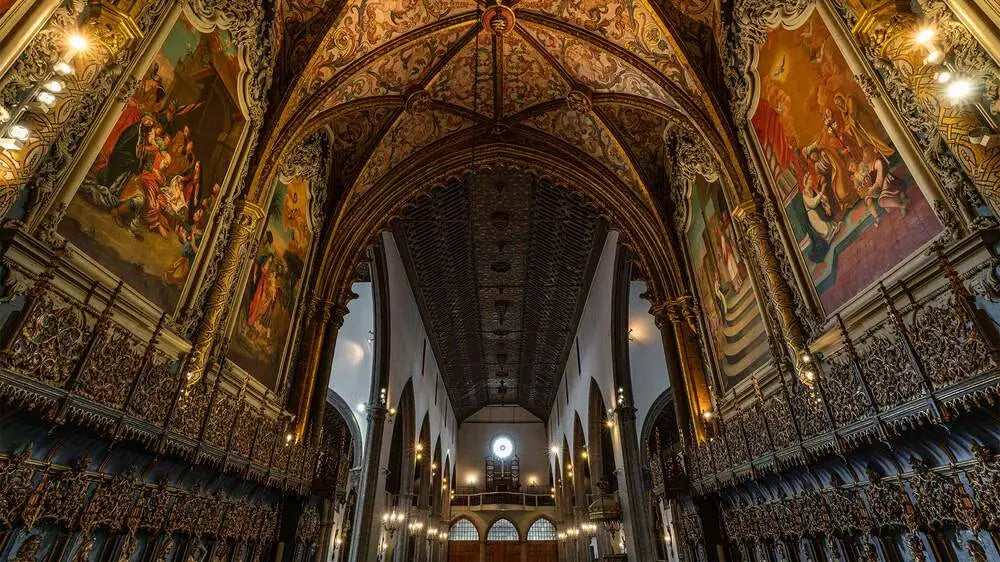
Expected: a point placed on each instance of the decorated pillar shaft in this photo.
(755, 225)
(891, 31)
(246, 223)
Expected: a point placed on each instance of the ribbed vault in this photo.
(420, 93)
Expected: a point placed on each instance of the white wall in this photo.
(593, 346)
(408, 361)
(526, 430)
(647, 363)
(353, 358)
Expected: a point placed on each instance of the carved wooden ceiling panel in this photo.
(500, 264)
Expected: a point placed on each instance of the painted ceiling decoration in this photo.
(500, 263)
(402, 84)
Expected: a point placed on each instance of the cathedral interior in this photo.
(499, 280)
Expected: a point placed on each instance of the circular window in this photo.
(502, 447)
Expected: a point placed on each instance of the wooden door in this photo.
(542, 551)
(505, 551)
(463, 551)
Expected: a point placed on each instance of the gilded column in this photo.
(755, 226)
(246, 221)
(17, 34)
(890, 30)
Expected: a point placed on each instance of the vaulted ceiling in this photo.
(500, 263)
(402, 84)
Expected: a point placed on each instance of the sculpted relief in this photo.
(849, 200)
(146, 202)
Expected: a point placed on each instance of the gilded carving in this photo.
(244, 229)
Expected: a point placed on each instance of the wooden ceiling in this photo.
(500, 264)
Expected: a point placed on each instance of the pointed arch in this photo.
(503, 530)
(462, 530)
(541, 529)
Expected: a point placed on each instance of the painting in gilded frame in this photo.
(724, 285)
(145, 203)
(264, 317)
(850, 201)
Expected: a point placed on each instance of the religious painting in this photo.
(146, 201)
(849, 199)
(264, 317)
(724, 286)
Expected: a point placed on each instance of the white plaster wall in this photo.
(593, 344)
(647, 364)
(408, 361)
(353, 358)
(526, 430)
(593, 347)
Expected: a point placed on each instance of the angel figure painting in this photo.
(264, 316)
(849, 199)
(724, 286)
(146, 202)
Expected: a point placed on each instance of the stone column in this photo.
(322, 326)
(675, 371)
(246, 220)
(676, 321)
(635, 516)
(889, 29)
(366, 526)
(755, 226)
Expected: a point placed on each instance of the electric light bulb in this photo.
(932, 57)
(943, 77)
(925, 35)
(19, 132)
(62, 68)
(78, 42)
(959, 90)
(54, 86)
(46, 98)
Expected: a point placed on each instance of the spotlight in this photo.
(959, 90)
(54, 86)
(925, 35)
(78, 42)
(62, 68)
(943, 77)
(932, 57)
(554, 450)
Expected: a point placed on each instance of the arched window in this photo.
(463, 530)
(502, 530)
(542, 530)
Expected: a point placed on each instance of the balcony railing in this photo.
(519, 499)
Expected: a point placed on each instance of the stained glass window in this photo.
(542, 530)
(463, 530)
(502, 530)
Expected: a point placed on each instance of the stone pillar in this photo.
(755, 225)
(635, 516)
(675, 371)
(889, 29)
(676, 321)
(322, 325)
(366, 525)
(246, 220)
